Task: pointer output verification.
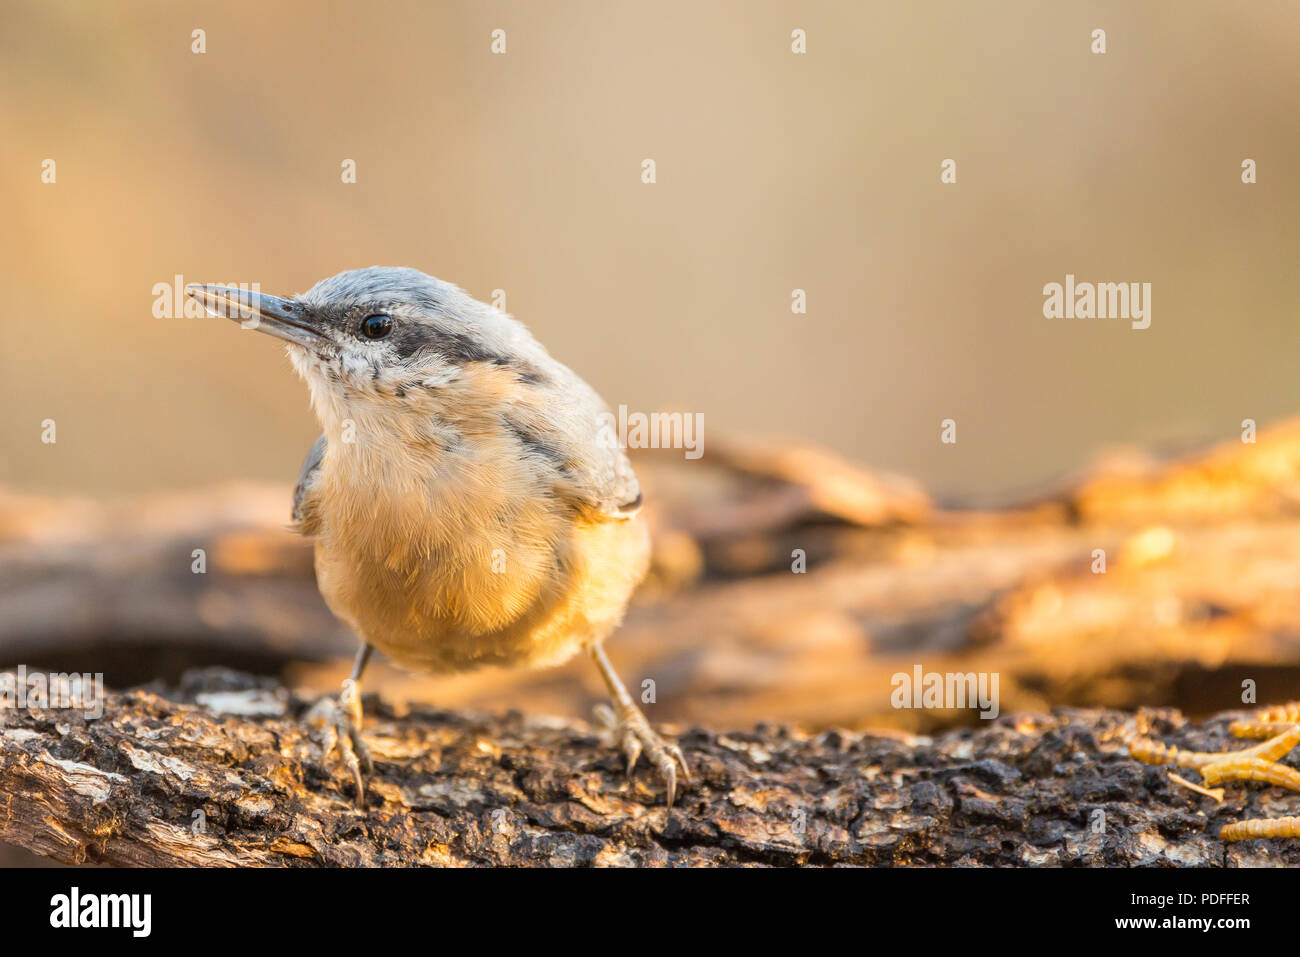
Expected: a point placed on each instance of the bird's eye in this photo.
(376, 327)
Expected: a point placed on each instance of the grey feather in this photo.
(599, 476)
(307, 475)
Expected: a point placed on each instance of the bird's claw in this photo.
(636, 737)
(339, 721)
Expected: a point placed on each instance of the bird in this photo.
(467, 504)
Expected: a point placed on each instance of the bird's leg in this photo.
(634, 732)
(341, 720)
(1281, 727)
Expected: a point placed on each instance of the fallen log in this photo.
(220, 771)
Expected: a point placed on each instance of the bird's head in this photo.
(383, 339)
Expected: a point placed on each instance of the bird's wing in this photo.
(307, 476)
(624, 498)
(583, 460)
(604, 477)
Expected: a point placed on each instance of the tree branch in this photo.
(165, 778)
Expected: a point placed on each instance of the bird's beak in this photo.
(282, 318)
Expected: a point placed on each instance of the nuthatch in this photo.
(466, 506)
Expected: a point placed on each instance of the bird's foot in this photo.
(636, 737)
(1280, 726)
(339, 723)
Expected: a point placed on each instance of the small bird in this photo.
(467, 505)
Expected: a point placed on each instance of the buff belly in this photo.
(456, 605)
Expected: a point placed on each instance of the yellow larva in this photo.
(1260, 828)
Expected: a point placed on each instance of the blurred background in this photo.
(775, 171)
(522, 172)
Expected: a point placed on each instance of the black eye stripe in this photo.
(376, 326)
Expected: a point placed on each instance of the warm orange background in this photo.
(775, 171)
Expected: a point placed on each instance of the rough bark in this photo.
(456, 788)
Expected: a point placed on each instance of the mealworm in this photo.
(1268, 721)
(1251, 769)
(1258, 729)
(1279, 725)
(1149, 751)
(1275, 748)
(1260, 828)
